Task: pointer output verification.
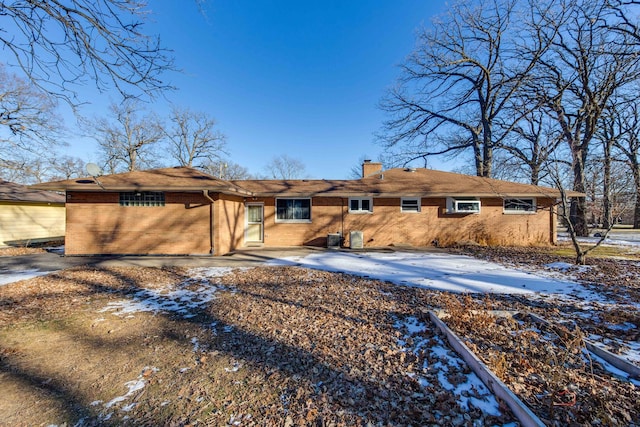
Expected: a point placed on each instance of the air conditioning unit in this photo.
(356, 240)
(462, 205)
(333, 240)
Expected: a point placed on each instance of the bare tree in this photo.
(63, 43)
(457, 85)
(627, 22)
(587, 64)
(126, 140)
(193, 139)
(530, 146)
(356, 170)
(628, 143)
(227, 170)
(563, 211)
(66, 167)
(285, 167)
(28, 121)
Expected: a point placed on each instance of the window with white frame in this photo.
(142, 198)
(293, 210)
(463, 205)
(410, 204)
(527, 205)
(360, 205)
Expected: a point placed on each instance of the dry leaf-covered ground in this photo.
(549, 367)
(264, 346)
(290, 346)
(33, 248)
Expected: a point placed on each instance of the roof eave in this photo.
(120, 188)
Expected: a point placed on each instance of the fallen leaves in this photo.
(290, 346)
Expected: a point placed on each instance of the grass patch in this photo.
(599, 252)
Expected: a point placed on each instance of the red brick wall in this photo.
(387, 225)
(229, 223)
(97, 224)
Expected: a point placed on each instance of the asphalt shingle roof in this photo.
(400, 182)
(165, 179)
(391, 183)
(12, 192)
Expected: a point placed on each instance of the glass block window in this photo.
(142, 198)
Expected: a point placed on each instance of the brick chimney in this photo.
(370, 168)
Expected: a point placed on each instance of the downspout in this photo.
(205, 193)
(341, 221)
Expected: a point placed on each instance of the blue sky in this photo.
(301, 78)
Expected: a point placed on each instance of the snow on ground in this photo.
(7, 277)
(133, 387)
(183, 299)
(613, 239)
(438, 271)
(471, 391)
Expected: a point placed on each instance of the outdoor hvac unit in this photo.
(333, 240)
(356, 240)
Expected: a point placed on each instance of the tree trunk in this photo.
(606, 189)
(535, 174)
(487, 161)
(578, 215)
(636, 211)
(477, 152)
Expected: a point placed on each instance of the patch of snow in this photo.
(470, 391)
(10, 276)
(626, 326)
(128, 407)
(612, 239)
(133, 386)
(444, 272)
(183, 299)
(562, 266)
(609, 367)
(235, 368)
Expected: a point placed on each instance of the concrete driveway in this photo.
(50, 262)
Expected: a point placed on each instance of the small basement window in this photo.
(142, 198)
(410, 204)
(360, 205)
(462, 205)
(520, 206)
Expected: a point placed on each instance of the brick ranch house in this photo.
(185, 211)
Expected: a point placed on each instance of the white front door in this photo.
(253, 231)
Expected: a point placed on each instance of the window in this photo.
(142, 198)
(408, 204)
(293, 210)
(463, 205)
(520, 205)
(360, 205)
